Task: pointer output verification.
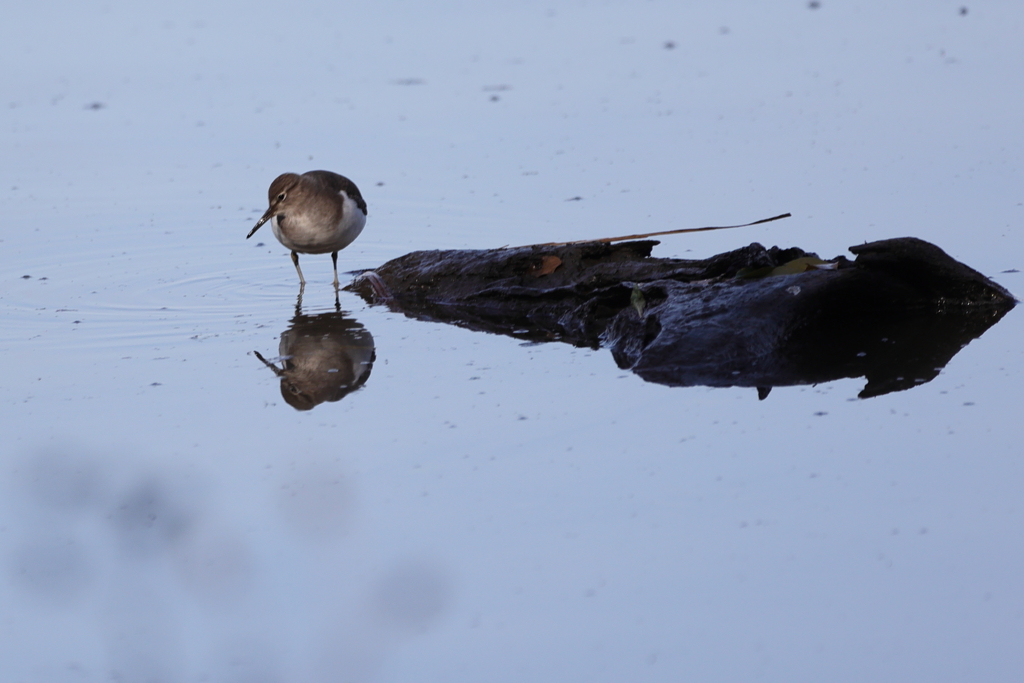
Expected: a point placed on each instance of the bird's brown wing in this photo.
(336, 183)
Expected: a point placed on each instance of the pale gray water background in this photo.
(482, 510)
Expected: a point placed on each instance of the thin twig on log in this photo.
(658, 234)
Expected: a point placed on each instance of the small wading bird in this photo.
(314, 213)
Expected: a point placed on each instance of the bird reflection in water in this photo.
(323, 357)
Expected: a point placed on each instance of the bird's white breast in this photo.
(310, 233)
(352, 221)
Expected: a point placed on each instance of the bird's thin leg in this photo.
(334, 257)
(295, 260)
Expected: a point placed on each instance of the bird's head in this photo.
(280, 194)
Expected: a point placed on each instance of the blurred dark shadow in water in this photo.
(131, 572)
(323, 357)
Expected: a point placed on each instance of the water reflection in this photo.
(323, 357)
(892, 351)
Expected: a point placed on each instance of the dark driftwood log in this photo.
(895, 315)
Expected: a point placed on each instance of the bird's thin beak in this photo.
(266, 217)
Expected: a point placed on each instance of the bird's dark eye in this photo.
(280, 197)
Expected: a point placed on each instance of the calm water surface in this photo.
(480, 509)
